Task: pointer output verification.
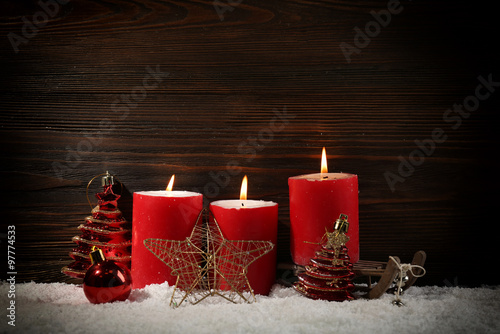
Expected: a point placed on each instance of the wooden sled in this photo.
(387, 271)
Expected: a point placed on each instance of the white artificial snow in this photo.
(63, 308)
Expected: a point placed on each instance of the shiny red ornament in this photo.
(106, 281)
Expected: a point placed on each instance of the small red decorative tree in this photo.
(329, 274)
(105, 229)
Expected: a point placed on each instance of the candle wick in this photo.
(242, 204)
(325, 177)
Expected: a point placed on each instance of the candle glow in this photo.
(171, 183)
(324, 166)
(244, 188)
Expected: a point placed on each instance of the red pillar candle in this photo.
(316, 201)
(165, 215)
(251, 220)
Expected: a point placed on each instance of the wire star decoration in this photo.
(206, 264)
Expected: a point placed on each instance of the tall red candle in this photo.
(316, 201)
(251, 220)
(165, 215)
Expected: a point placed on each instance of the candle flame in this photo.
(171, 183)
(244, 187)
(324, 166)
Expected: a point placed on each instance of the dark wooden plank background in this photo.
(227, 77)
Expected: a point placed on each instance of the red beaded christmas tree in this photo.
(329, 274)
(105, 229)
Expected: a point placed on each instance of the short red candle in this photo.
(316, 201)
(164, 215)
(251, 220)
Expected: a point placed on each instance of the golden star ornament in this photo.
(206, 264)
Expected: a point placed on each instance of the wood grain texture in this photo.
(73, 97)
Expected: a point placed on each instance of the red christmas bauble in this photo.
(107, 281)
